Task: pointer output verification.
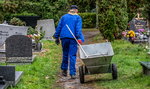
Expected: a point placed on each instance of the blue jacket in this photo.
(75, 24)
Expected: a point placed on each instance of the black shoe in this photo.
(64, 73)
(73, 77)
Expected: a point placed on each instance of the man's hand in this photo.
(57, 41)
(80, 41)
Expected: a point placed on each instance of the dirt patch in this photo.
(68, 83)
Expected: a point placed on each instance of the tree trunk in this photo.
(149, 23)
(97, 11)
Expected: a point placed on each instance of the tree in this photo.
(147, 10)
(113, 18)
(84, 5)
(133, 6)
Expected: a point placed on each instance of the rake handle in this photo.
(77, 40)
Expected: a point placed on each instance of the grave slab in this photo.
(18, 75)
(146, 67)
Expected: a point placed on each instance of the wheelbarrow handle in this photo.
(77, 41)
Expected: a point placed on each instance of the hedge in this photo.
(88, 19)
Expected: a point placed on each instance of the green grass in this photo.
(42, 73)
(127, 57)
(1, 1)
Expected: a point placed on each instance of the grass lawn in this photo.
(127, 57)
(42, 73)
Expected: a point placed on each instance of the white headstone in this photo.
(48, 26)
(9, 30)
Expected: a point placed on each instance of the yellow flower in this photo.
(127, 35)
(131, 33)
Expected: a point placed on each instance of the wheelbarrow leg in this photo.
(114, 72)
(81, 74)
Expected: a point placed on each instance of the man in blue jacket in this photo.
(69, 44)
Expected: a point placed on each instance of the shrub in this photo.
(1, 13)
(24, 14)
(108, 26)
(1, 17)
(113, 18)
(17, 21)
(31, 31)
(10, 7)
(88, 19)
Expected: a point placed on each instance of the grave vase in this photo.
(38, 46)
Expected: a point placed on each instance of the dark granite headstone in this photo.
(18, 49)
(2, 80)
(8, 72)
(136, 24)
(30, 20)
(8, 76)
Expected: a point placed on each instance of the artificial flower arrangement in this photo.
(140, 34)
(129, 33)
(37, 35)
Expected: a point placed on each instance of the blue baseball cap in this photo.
(74, 7)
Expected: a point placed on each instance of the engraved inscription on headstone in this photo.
(136, 24)
(9, 30)
(47, 26)
(18, 49)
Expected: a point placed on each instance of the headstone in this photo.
(30, 20)
(8, 76)
(9, 30)
(5, 32)
(19, 49)
(48, 26)
(136, 24)
(8, 72)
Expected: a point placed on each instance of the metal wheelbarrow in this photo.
(96, 59)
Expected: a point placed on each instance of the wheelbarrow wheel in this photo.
(81, 74)
(114, 72)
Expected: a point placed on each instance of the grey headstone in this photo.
(48, 26)
(9, 30)
(18, 48)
